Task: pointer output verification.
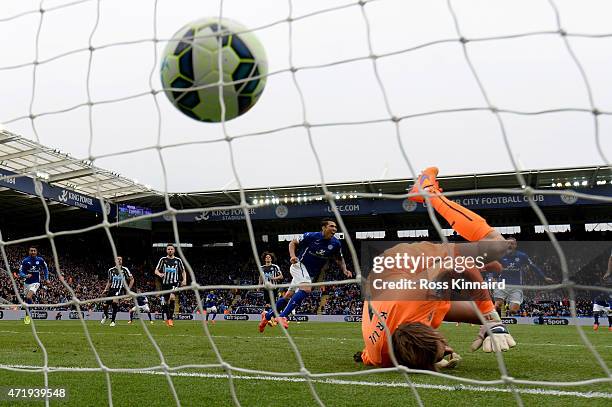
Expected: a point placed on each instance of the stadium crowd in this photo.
(344, 300)
(87, 277)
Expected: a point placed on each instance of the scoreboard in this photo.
(133, 212)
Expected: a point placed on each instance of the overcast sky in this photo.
(526, 74)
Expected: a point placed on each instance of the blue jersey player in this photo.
(142, 306)
(602, 307)
(31, 269)
(602, 304)
(210, 306)
(309, 254)
(513, 265)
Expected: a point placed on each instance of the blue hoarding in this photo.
(362, 207)
(34, 187)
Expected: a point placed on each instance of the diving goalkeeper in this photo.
(412, 318)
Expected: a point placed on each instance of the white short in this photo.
(601, 308)
(211, 310)
(299, 275)
(144, 308)
(511, 295)
(32, 287)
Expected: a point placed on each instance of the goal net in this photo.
(356, 90)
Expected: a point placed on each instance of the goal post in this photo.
(383, 100)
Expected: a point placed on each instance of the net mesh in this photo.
(487, 104)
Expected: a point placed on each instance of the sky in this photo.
(525, 74)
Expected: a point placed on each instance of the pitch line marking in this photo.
(331, 338)
(458, 387)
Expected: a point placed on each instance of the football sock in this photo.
(131, 316)
(214, 316)
(105, 309)
(170, 309)
(280, 305)
(296, 300)
(27, 310)
(465, 222)
(596, 316)
(149, 314)
(115, 309)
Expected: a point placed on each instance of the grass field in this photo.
(544, 353)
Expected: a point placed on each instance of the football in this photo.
(204, 52)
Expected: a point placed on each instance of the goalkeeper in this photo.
(412, 319)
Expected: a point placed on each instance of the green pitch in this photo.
(544, 353)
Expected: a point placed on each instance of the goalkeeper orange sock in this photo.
(465, 222)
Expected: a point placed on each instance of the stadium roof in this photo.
(26, 157)
(561, 178)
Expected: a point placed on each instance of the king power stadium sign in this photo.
(62, 195)
(373, 207)
(305, 210)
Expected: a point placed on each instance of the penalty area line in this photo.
(457, 387)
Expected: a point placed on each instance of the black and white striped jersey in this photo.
(116, 277)
(270, 272)
(172, 268)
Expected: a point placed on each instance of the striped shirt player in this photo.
(30, 269)
(118, 277)
(309, 254)
(270, 273)
(142, 306)
(171, 271)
